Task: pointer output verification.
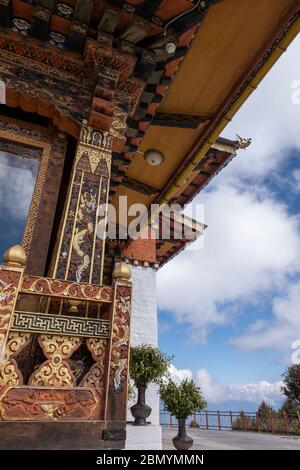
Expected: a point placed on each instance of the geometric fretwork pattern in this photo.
(60, 325)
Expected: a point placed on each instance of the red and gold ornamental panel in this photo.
(62, 387)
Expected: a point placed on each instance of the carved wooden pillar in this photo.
(10, 278)
(11, 273)
(117, 386)
(80, 255)
(95, 378)
(80, 251)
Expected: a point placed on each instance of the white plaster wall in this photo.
(144, 325)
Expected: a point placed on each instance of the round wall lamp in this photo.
(154, 157)
(170, 47)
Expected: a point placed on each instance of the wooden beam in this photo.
(183, 121)
(148, 8)
(181, 24)
(193, 17)
(135, 30)
(145, 65)
(5, 13)
(79, 26)
(83, 11)
(140, 10)
(139, 187)
(109, 20)
(41, 20)
(188, 21)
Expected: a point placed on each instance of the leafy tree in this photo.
(182, 400)
(290, 407)
(291, 384)
(264, 409)
(148, 364)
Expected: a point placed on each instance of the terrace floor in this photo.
(232, 440)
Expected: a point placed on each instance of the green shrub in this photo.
(266, 425)
(148, 364)
(182, 400)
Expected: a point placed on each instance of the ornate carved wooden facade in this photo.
(59, 388)
(64, 339)
(82, 86)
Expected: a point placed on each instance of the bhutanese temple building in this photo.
(104, 102)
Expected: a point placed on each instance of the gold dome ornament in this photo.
(15, 255)
(122, 271)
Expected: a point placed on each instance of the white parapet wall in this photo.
(144, 331)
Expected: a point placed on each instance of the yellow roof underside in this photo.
(233, 33)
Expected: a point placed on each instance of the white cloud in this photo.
(178, 375)
(216, 392)
(279, 333)
(251, 246)
(16, 185)
(213, 390)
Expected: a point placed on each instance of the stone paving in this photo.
(229, 440)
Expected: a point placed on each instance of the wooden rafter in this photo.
(139, 187)
(184, 121)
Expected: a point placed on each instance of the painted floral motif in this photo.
(58, 40)
(21, 26)
(64, 10)
(56, 371)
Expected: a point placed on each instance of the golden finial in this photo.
(122, 271)
(15, 255)
(74, 305)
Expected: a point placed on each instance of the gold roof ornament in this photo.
(15, 255)
(122, 271)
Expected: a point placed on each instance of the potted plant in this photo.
(147, 364)
(182, 400)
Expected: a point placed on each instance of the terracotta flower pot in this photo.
(140, 411)
(182, 441)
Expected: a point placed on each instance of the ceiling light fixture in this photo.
(170, 47)
(154, 157)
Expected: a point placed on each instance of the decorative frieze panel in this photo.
(35, 80)
(60, 325)
(48, 404)
(71, 290)
(44, 55)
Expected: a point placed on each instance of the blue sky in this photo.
(230, 311)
